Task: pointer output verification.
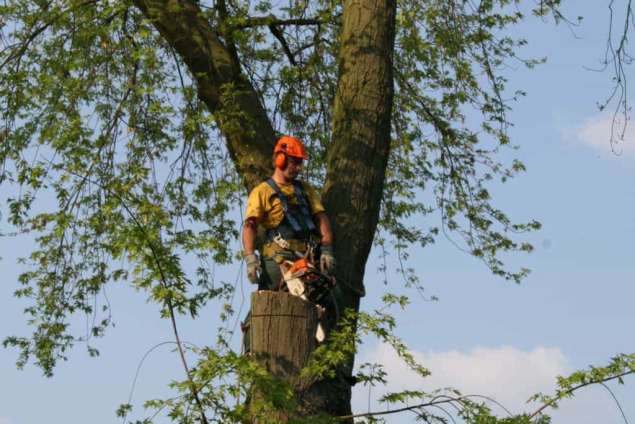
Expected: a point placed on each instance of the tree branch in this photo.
(164, 280)
(558, 397)
(278, 34)
(272, 20)
(39, 30)
(221, 85)
(433, 402)
(358, 154)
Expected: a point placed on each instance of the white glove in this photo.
(327, 260)
(253, 268)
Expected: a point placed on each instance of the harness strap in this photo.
(285, 206)
(304, 206)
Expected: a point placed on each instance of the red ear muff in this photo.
(281, 160)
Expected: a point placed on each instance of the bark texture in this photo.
(282, 337)
(358, 154)
(282, 333)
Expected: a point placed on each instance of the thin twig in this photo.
(25, 45)
(553, 401)
(272, 20)
(434, 402)
(164, 282)
(617, 402)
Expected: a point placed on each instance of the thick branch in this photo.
(358, 154)
(227, 93)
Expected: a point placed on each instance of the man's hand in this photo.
(327, 260)
(253, 268)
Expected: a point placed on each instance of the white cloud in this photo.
(596, 133)
(4, 420)
(506, 374)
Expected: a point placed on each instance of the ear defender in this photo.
(288, 146)
(281, 160)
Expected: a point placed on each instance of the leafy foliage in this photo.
(619, 367)
(447, 58)
(101, 120)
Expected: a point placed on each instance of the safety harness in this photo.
(297, 222)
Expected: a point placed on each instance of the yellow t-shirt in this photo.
(267, 209)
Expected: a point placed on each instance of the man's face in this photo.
(294, 167)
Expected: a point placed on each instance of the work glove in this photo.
(253, 268)
(327, 260)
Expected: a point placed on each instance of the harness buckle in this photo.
(280, 241)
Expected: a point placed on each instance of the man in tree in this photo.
(292, 215)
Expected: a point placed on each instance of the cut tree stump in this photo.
(282, 338)
(282, 333)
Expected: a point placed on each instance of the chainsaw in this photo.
(304, 280)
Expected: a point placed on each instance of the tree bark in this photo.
(358, 154)
(282, 337)
(282, 333)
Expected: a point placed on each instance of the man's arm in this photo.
(323, 223)
(249, 236)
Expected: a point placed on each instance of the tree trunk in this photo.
(358, 155)
(282, 333)
(282, 338)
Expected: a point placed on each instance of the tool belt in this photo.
(271, 249)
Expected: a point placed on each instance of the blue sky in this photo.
(485, 335)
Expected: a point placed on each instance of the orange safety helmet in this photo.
(288, 146)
